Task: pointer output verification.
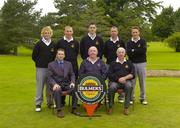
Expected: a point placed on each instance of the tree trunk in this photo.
(15, 51)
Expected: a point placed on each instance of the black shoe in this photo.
(60, 114)
(75, 112)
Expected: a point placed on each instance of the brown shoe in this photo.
(75, 112)
(109, 111)
(60, 114)
(126, 112)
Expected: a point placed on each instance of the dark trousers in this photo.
(113, 86)
(58, 97)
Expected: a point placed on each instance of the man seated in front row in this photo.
(120, 74)
(62, 78)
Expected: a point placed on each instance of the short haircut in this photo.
(92, 23)
(46, 28)
(114, 27)
(60, 49)
(135, 27)
(68, 27)
(120, 49)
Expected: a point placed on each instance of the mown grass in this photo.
(17, 91)
(159, 56)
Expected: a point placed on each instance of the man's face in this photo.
(135, 33)
(92, 52)
(121, 54)
(92, 29)
(47, 35)
(114, 32)
(60, 55)
(68, 32)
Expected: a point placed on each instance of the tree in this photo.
(18, 24)
(173, 41)
(176, 27)
(127, 13)
(95, 14)
(163, 24)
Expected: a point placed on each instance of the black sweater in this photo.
(71, 49)
(87, 42)
(117, 70)
(137, 51)
(110, 49)
(43, 54)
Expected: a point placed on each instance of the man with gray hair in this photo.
(120, 74)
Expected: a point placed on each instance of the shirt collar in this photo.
(117, 60)
(92, 61)
(135, 40)
(68, 40)
(114, 41)
(47, 42)
(60, 61)
(92, 36)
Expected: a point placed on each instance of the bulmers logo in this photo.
(90, 89)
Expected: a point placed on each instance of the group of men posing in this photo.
(57, 66)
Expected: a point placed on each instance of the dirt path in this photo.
(163, 73)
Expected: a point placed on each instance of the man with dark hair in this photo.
(136, 51)
(62, 81)
(91, 39)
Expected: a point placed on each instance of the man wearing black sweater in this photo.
(71, 48)
(111, 45)
(91, 39)
(43, 53)
(120, 74)
(136, 51)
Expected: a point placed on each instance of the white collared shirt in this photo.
(92, 61)
(68, 40)
(47, 42)
(114, 41)
(121, 62)
(92, 36)
(132, 39)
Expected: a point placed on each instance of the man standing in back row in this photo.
(91, 39)
(136, 51)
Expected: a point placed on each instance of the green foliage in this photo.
(163, 24)
(173, 41)
(177, 21)
(17, 24)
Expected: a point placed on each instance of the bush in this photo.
(173, 41)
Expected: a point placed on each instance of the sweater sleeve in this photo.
(111, 74)
(35, 52)
(82, 48)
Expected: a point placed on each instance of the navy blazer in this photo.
(56, 77)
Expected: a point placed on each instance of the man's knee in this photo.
(112, 86)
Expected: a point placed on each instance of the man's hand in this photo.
(72, 85)
(122, 80)
(56, 87)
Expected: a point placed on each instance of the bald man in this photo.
(93, 64)
(120, 74)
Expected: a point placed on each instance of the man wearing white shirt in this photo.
(43, 53)
(91, 39)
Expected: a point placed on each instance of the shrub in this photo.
(173, 41)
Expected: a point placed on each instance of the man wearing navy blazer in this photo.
(62, 81)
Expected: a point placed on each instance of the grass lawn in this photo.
(17, 91)
(160, 56)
